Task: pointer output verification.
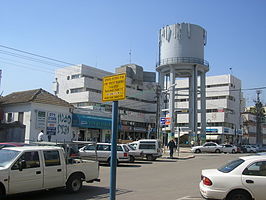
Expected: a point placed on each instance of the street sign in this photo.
(114, 87)
(165, 120)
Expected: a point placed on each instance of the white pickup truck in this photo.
(31, 168)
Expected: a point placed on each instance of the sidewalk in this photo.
(184, 153)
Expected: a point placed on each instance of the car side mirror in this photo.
(21, 165)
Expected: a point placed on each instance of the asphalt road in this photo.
(175, 179)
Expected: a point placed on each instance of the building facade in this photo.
(81, 86)
(249, 120)
(38, 110)
(224, 103)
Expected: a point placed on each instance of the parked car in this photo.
(244, 178)
(250, 148)
(241, 149)
(13, 144)
(103, 152)
(208, 147)
(134, 153)
(31, 168)
(229, 148)
(152, 148)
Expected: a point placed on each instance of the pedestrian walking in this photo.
(40, 136)
(171, 145)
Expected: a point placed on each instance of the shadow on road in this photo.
(166, 160)
(87, 192)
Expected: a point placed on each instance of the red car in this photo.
(13, 144)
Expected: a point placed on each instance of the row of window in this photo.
(208, 98)
(210, 124)
(32, 160)
(76, 76)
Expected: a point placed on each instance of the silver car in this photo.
(134, 153)
(104, 152)
(228, 148)
(208, 147)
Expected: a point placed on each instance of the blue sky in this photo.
(101, 33)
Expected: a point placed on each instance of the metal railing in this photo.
(177, 60)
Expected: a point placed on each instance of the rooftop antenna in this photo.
(231, 70)
(130, 56)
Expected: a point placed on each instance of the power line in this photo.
(37, 55)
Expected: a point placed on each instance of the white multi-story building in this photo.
(224, 103)
(249, 120)
(81, 86)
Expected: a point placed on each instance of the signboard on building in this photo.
(40, 121)
(165, 120)
(114, 87)
(51, 123)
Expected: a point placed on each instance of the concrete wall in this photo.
(30, 120)
(141, 86)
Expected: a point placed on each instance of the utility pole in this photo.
(259, 115)
(157, 124)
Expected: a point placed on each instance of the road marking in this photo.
(189, 198)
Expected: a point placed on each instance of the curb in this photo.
(179, 158)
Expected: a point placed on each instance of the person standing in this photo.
(40, 136)
(171, 145)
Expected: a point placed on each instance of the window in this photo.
(51, 158)
(119, 148)
(256, 169)
(76, 90)
(89, 147)
(147, 146)
(103, 147)
(9, 117)
(31, 160)
(231, 166)
(20, 117)
(126, 148)
(75, 76)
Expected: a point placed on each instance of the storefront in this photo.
(92, 128)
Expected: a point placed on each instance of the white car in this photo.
(228, 148)
(152, 148)
(208, 147)
(134, 153)
(103, 152)
(32, 168)
(244, 179)
(250, 148)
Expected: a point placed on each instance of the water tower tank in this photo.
(182, 43)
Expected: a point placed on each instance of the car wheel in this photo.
(150, 157)
(197, 151)
(251, 151)
(217, 151)
(132, 159)
(74, 183)
(239, 195)
(233, 151)
(1, 194)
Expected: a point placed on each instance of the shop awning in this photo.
(88, 121)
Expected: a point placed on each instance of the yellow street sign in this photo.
(114, 87)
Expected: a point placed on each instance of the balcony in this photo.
(182, 60)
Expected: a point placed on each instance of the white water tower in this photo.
(181, 55)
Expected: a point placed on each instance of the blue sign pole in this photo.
(114, 150)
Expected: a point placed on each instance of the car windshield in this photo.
(6, 156)
(231, 166)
